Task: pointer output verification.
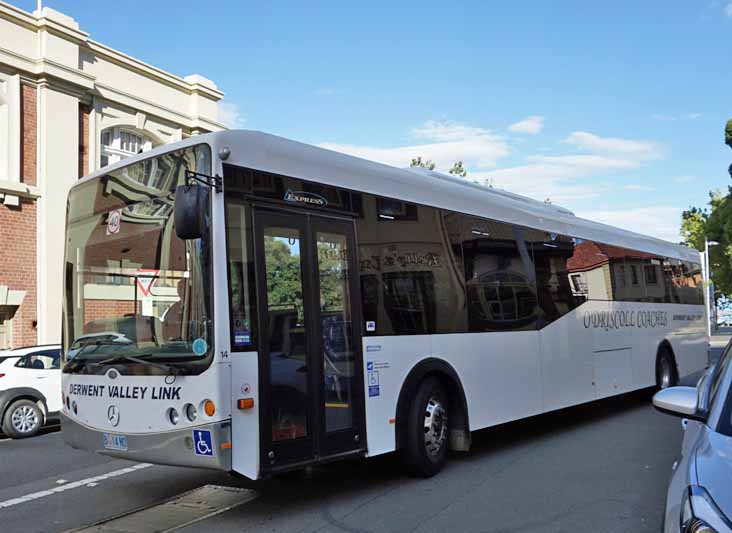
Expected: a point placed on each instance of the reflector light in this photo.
(209, 408)
(246, 403)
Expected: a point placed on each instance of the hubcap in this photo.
(666, 373)
(24, 419)
(435, 427)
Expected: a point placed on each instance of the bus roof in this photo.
(270, 153)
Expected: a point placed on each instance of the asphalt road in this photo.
(601, 467)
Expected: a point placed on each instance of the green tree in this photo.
(458, 170)
(693, 227)
(417, 162)
(714, 224)
(718, 228)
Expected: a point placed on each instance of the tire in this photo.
(22, 419)
(427, 430)
(667, 375)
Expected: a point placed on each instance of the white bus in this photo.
(243, 302)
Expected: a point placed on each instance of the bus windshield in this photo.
(135, 295)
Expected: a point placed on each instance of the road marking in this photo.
(177, 512)
(75, 484)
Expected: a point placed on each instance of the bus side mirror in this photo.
(189, 213)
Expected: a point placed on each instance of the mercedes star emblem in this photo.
(113, 415)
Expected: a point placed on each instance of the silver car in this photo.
(699, 496)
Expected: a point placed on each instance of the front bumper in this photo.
(175, 448)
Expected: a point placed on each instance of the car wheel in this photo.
(666, 373)
(427, 428)
(22, 419)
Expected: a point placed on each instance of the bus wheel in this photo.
(428, 433)
(666, 373)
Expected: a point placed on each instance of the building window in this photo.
(118, 143)
(651, 278)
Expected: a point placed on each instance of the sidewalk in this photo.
(720, 337)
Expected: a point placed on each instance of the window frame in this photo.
(114, 151)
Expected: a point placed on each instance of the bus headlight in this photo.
(191, 412)
(173, 416)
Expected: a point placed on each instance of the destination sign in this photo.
(125, 392)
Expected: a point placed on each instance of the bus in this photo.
(243, 302)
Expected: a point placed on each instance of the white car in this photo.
(30, 389)
(699, 496)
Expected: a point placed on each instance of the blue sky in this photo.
(615, 110)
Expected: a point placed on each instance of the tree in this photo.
(714, 224)
(718, 228)
(458, 170)
(417, 162)
(693, 227)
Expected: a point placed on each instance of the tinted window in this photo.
(590, 270)
(558, 290)
(719, 372)
(395, 210)
(499, 276)
(290, 191)
(411, 274)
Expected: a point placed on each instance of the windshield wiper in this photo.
(141, 359)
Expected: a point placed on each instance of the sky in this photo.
(615, 110)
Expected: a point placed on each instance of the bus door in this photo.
(311, 371)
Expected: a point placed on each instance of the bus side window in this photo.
(501, 289)
(559, 291)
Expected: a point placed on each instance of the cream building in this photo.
(69, 105)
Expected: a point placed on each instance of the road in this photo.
(601, 467)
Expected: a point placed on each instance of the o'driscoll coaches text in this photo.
(625, 319)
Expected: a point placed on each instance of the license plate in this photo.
(114, 442)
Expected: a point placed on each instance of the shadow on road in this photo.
(353, 473)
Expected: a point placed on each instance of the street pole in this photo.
(709, 286)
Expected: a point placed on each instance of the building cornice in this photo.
(150, 71)
(135, 102)
(43, 65)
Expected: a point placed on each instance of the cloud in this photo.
(446, 142)
(325, 91)
(567, 177)
(728, 10)
(613, 145)
(230, 115)
(574, 177)
(671, 118)
(685, 179)
(638, 187)
(530, 125)
(662, 222)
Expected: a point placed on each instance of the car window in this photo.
(720, 371)
(45, 360)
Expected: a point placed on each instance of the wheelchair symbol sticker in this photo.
(203, 443)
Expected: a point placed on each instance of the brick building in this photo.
(69, 105)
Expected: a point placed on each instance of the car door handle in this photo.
(41, 377)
